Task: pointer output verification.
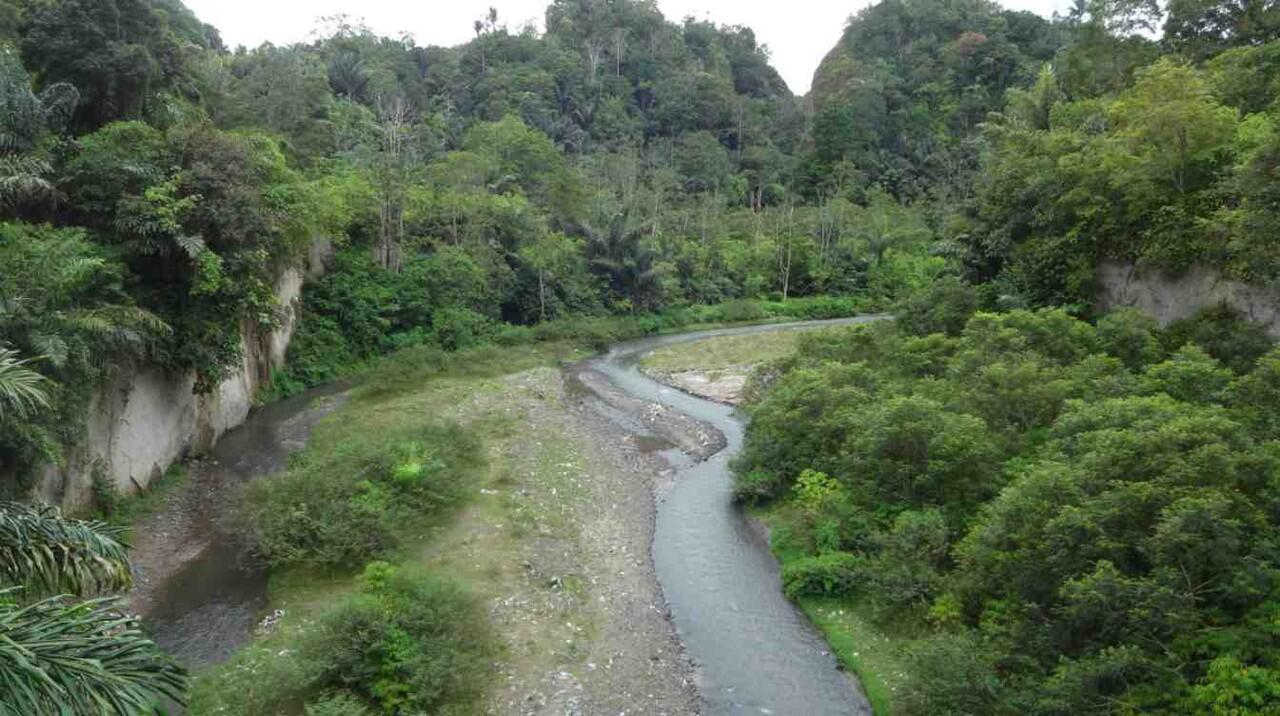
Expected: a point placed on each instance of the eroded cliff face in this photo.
(143, 419)
(1171, 298)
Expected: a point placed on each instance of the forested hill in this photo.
(616, 164)
(899, 99)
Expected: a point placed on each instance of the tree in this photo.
(1202, 28)
(60, 655)
(120, 54)
(553, 257)
(1172, 122)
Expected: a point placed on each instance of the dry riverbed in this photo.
(557, 539)
(558, 542)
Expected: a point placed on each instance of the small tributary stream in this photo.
(755, 652)
(210, 604)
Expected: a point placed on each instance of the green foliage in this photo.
(1171, 171)
(61, 657)
(834, 574)
(404, 643)
(945, 307)
(1070, 516)
(408, 643)
(64, 315)
(346, 506)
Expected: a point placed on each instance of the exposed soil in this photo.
(559, 540)
(725, 385)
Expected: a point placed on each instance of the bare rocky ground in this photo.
(557, 541)
(560, 539)
(725, 385)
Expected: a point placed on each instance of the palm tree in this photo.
(59, 655)
(62, 657)
(617, 247)
(21, 388)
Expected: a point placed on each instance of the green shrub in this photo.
(262, 678)
(457, 328)
(741, 310)
(834, 574)
(337, 705)
(1132, 336)
(944, 307)
(346, 504)
(951, 674)
(405, 643)
(1223, 334)
(411, 643)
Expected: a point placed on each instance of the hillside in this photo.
(1025, 497)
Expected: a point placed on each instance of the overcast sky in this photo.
(797, 32)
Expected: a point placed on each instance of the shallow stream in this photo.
(754, 651)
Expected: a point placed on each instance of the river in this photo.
(755, 652)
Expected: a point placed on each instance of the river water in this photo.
(754, 651)
(210, 606)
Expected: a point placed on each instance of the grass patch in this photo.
(861, 646)
(723, 352)
(861, 640)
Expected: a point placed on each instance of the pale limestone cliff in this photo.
(1170, 298)
(143, 419)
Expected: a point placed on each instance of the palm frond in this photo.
(22, 179)
(58, 657)
(75, 273)
(49, 554)
(51, 347)
(192, 245)
(22, 389)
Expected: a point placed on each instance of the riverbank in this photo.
(715, 369)
(553, 541)
(553, 538)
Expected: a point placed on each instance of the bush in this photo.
(944, 307)
(259, 679)
(742, 310)
(1223, 334)
(405, 643)
(457, 328)
(411, 643)
(1130, 335)
(951, 675)
(835, 574)
(346, 504)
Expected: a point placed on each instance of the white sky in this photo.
(797, 32)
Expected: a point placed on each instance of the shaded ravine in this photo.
(754, 651)
(200, 597)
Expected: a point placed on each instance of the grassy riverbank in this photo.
(381, 486)
(723, 353)
(544, 526)
(862, 642)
